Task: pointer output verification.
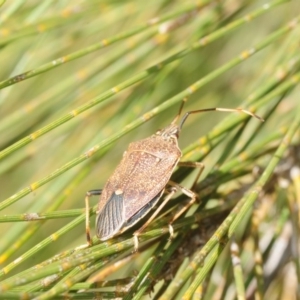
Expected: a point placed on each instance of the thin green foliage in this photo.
(79, 81)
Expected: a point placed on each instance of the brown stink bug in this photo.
(140, 180)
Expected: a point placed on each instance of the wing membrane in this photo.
(111, 218)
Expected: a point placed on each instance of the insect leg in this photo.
(187, 192)
(172, 191)
(87, 213)
(193, 164)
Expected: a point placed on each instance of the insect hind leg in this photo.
(174, 187)
(136, 234)
(193, 198)
(188, 192)
(88, 195)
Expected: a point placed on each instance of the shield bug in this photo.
(140, 180)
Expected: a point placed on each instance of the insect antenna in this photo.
(217, 109)
(179, 112)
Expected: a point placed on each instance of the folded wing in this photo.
(111, 218)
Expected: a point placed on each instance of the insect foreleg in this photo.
(193, 164)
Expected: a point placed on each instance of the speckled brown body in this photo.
(138, 182)
(140, 179)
